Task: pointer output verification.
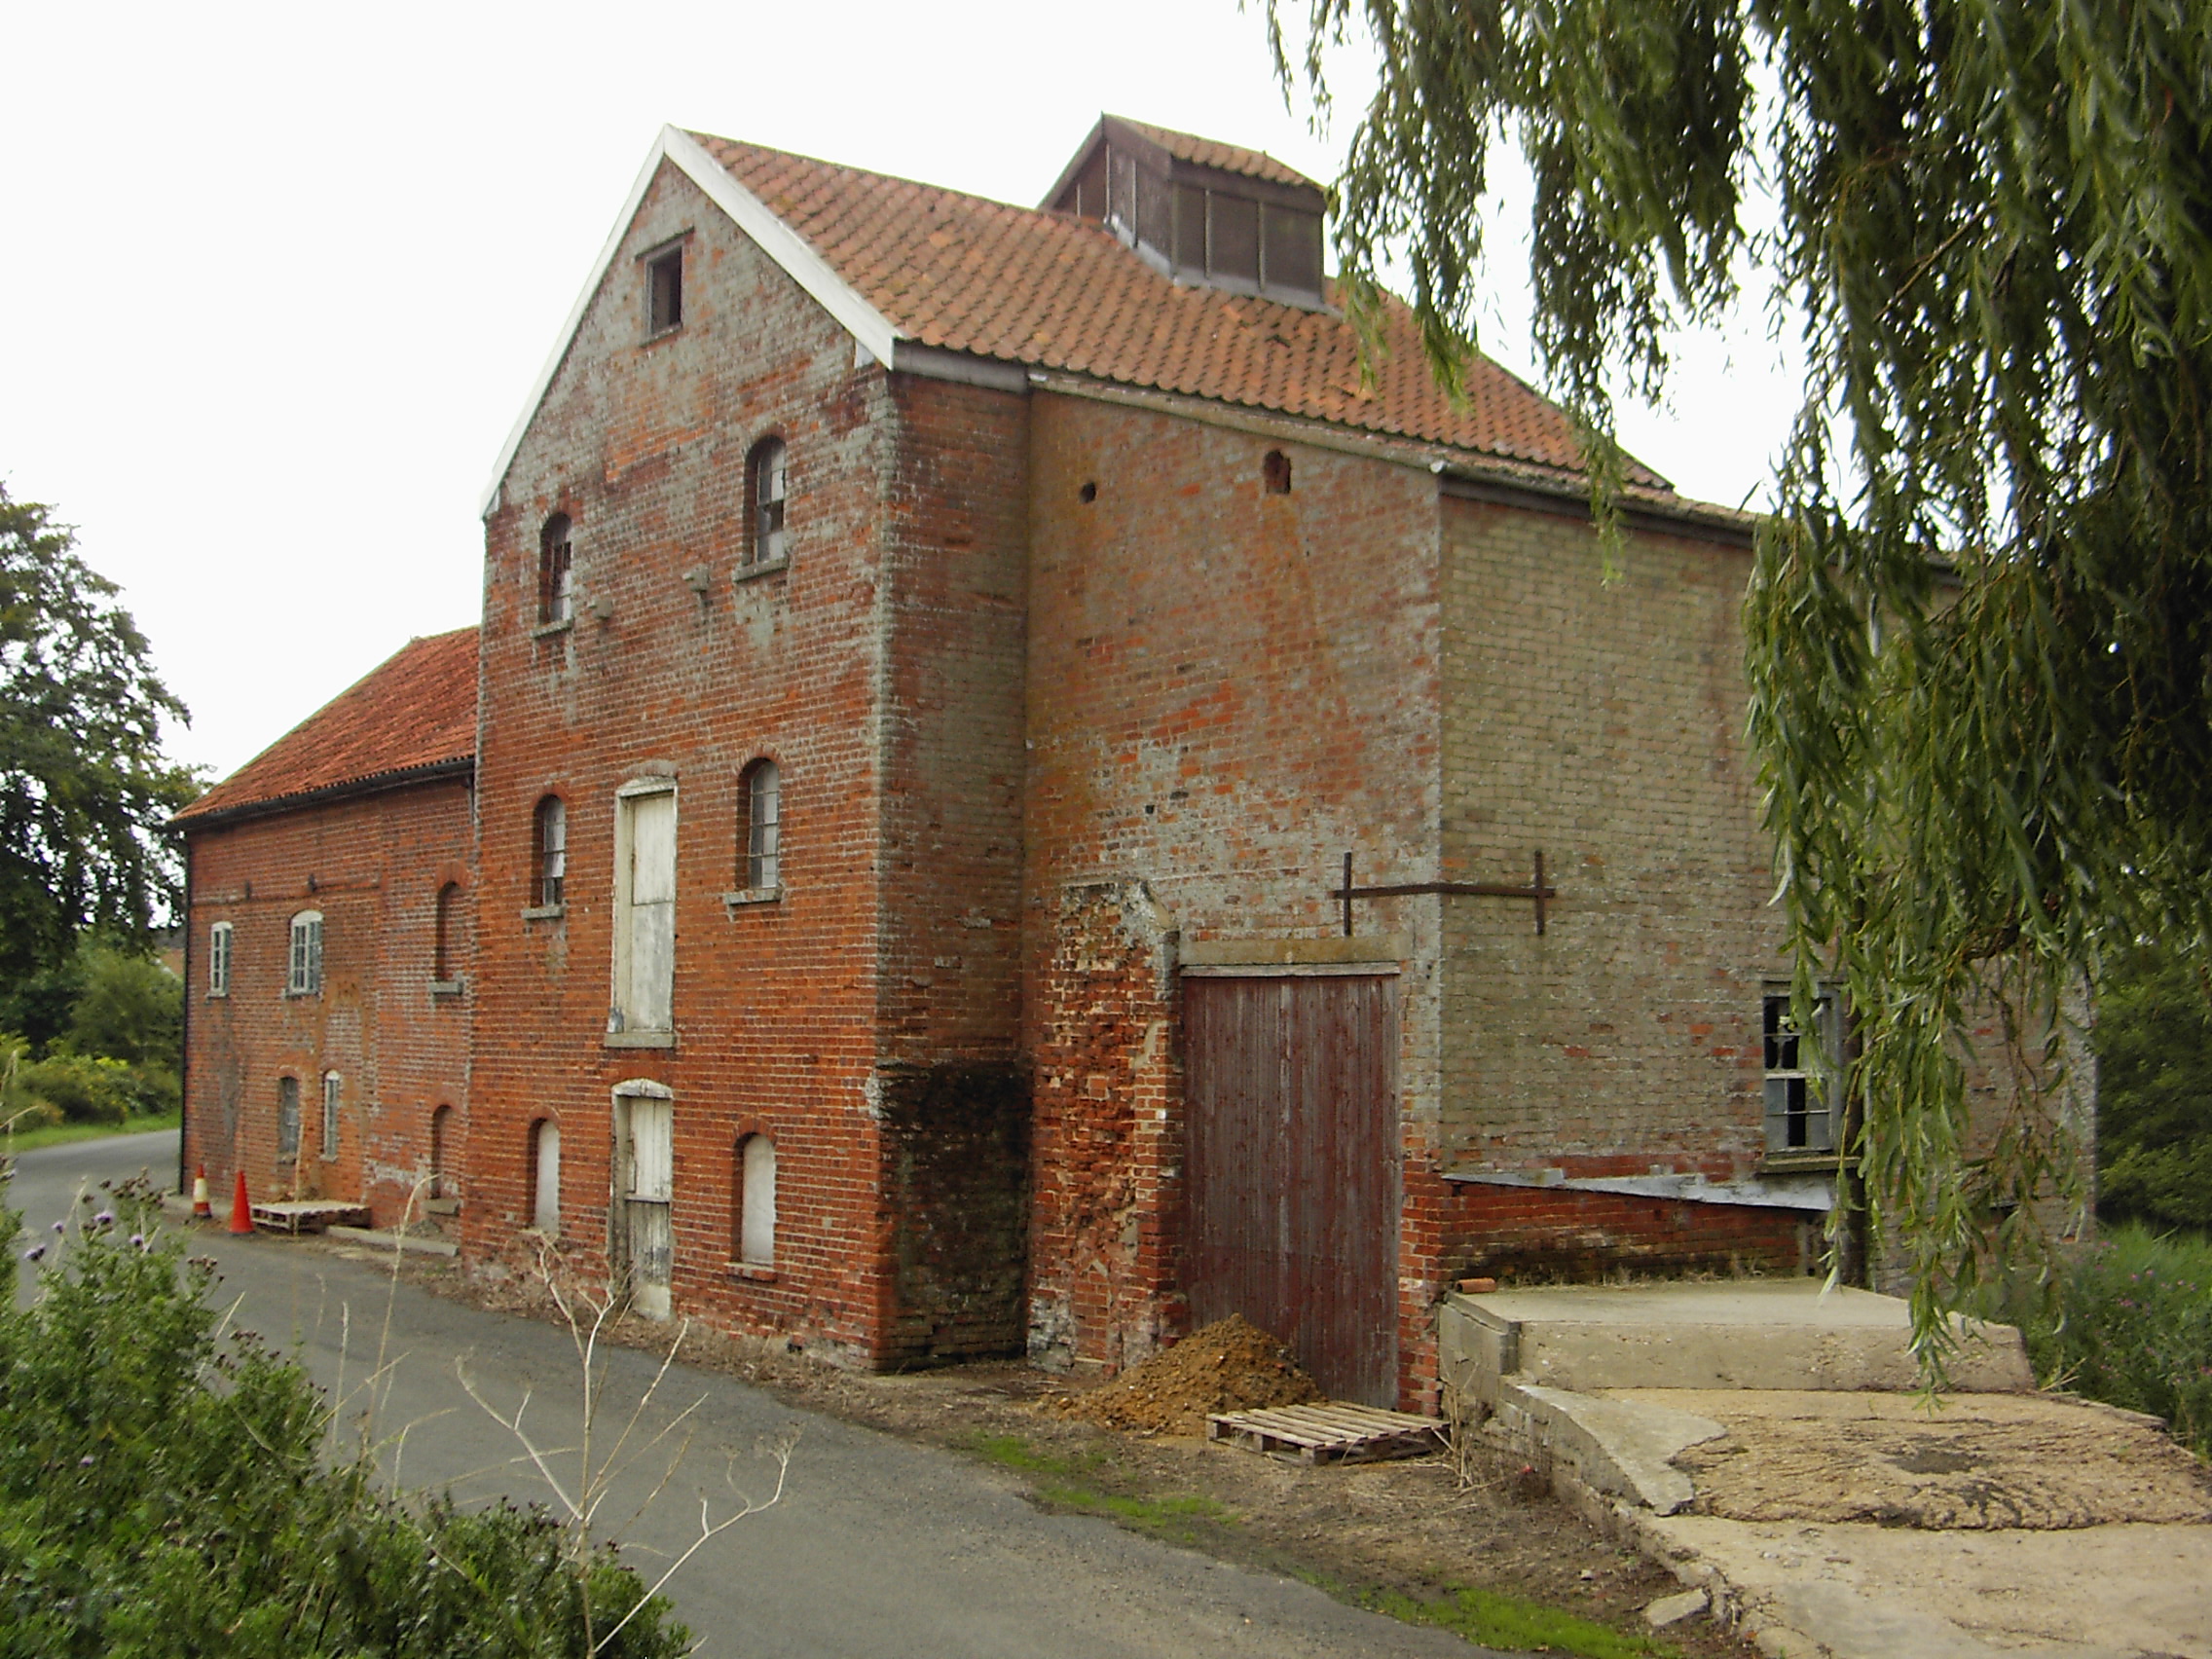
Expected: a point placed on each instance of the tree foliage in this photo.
(84, 785)
(1980, 614)
(165, 1496)
(2154, 1043)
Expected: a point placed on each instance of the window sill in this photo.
(753, 1273)
(659, 334)
(547, 630)
(638, 1040)
(544, 912)
(1800, 1164)
(448, 987)
(303, 996)
(753, 896)
(218, 996)
(765, 568)
(441, 1206)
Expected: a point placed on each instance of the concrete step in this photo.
(1733, 1334)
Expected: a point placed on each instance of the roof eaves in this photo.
(805, 267)
(193, 818)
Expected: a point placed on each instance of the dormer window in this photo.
(1205, 214)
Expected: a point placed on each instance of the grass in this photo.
(64, 1134)
(1490, 1618)
(2131, 1324)
(1072, 1483)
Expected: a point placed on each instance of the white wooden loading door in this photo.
(645, 1181)
(652, 912)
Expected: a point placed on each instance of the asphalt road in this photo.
(879, 1547)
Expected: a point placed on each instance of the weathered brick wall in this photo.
(881, 671)
(1228, 689)
(373, 867)
(956, 582)
(644, 444)
(1605, 724)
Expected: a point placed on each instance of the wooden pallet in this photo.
(307, 1215)
(1332, 1432)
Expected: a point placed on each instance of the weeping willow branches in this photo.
(1980, 624)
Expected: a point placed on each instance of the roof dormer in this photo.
(1205, 214)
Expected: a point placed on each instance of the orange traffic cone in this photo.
(241, 1211)
(201, 1208)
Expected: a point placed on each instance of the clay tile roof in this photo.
(1051, 291)
(414, 713)
(1228, 158)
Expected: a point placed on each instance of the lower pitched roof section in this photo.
(411, 718)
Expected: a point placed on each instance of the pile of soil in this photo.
(1231, 1365)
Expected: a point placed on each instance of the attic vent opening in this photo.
(664, 291)
(1088, 494)
(1202, 213)
(1275, 469)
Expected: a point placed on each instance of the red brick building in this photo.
(327, 955)
(939, 658)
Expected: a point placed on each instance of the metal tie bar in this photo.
(1537, 891)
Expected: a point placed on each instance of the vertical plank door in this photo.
(649, 1160)
(1292, 1167)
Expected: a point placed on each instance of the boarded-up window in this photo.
(644, 968)
(287, 1120)
(545, 1177)
(757, 1201)
(330, 1099)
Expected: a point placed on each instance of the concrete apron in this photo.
(1765, 1442)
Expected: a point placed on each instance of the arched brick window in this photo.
(548, 852)
(441, 1152)
(760, 827)
(767, 490)
(443, 964)
(755, 1188)
(545, 1177)
(556, 570)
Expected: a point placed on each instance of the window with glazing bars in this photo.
(1804, 1076)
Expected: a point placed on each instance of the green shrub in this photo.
(83, 1089)
(2130, 1323)
(2154, 1043)
(130, 1008)
(164, 1498)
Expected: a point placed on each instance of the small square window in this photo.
(664, 291)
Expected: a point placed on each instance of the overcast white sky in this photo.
(275, 279)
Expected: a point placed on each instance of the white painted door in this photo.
(652, 912)
(648, 1165)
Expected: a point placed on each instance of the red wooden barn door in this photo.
(1290, 1086)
